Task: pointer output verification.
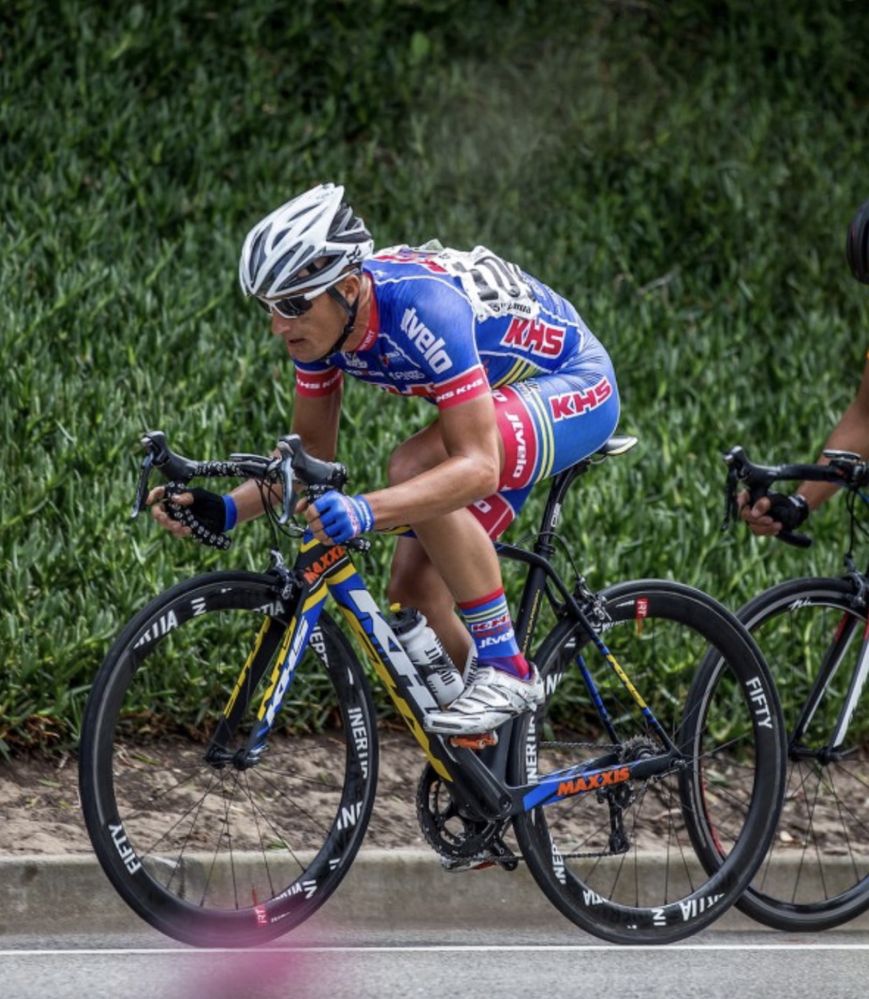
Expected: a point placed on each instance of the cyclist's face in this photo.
(310, 335)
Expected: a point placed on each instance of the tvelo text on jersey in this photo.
(431, 347)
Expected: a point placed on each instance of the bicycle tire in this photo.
(823, 832)
(213, 855)
(572, 847)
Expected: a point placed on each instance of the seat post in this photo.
(535, 581)
(552, 511)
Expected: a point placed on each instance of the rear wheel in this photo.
(619, 860)
(231, 852)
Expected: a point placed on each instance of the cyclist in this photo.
(851, 433)
(522, 390)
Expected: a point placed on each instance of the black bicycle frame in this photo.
(477, 781)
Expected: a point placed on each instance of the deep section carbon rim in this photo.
(816, 873)
(225, 854)
(620, 860)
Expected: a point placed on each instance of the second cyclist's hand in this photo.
(757, 516)
(336, 518)
(773, 513)
(209, 509)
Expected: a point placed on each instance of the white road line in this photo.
(797, 947)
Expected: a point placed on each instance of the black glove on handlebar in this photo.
(208, 508)
(205, 516)
(789, 511)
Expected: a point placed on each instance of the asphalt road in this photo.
(459, 962)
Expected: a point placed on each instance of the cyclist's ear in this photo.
(351, 286)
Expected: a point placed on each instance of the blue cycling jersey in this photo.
(450, 325)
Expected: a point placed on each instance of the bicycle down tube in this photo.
(323, 569)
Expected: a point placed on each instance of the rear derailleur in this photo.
(620, 797)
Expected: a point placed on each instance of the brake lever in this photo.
(142, 487)
(730, 509)
(286, 470)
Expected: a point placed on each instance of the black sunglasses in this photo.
(289, 308)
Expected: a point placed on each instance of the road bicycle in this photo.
(660, 731)
(813, 633)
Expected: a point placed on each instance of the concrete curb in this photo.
(385, 889)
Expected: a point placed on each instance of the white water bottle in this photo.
(425, 651)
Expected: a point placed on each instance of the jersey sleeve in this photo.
(439, 332)
(462, 388)
(317, 379)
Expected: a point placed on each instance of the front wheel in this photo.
(618, 859)
(812, 633)
(216, 848)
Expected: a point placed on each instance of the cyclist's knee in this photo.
(421, 452)
(403, 465)
(414, 582)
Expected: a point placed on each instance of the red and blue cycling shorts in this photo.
(548, 423)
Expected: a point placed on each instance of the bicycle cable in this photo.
(854, 525)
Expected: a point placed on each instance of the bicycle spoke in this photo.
(845, 829)
(246, 790)
(197, 805)
(284, 794)
(200, 816)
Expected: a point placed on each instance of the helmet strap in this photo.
(351, 310)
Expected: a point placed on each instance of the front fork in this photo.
(284, 643)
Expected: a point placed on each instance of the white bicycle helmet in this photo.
(315, 225)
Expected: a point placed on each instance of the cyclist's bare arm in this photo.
(466, 468)
(315, 420)
(851, 433)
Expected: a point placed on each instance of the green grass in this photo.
(683, 171)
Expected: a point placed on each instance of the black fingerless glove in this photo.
(209, 509)
(206, 516)
(789, 511)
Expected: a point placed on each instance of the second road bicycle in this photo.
(814, 634)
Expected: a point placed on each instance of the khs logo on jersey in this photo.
(534, 336)
(576, 403)
(432, 347)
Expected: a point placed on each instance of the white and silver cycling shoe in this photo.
(493, 698)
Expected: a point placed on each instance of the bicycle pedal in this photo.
(463, 865)
(480, 741)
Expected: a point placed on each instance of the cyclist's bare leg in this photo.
(454, 561)
(415, 582)
(452, 558)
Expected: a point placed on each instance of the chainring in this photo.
(445, 829)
